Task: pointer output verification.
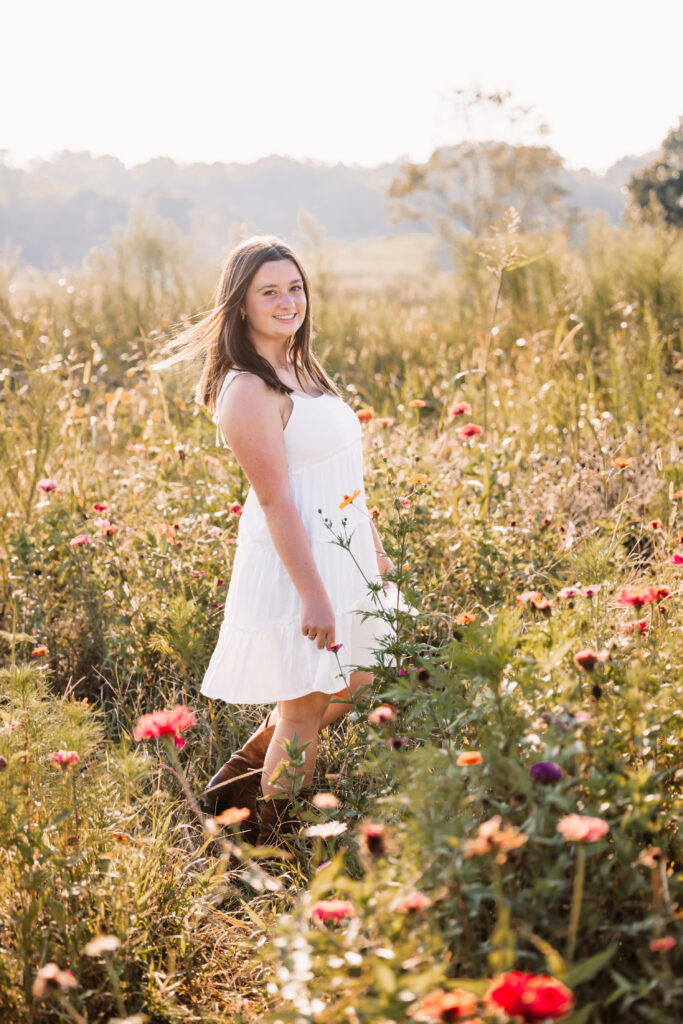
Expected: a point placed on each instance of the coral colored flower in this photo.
(325, 801)
(545, 772)
(348, 498)
(236, 508)
(651, 857)
(591, 590)
(384, 713)
(439, 1005)
(580, 828)
(100, 506)
(536, 601)
(334, 647)
(64, 757)
(677, 495)
(374, 839)
(470, 430)
(106, 528)
(417, 403)
(51, 979)
(468, 758)
(232, 815)
(641, 626)
(676, 559)
(332, 910)
(568, 592)
(465, 619)
(413, 902)
(385, 421)
(326, 829)
(588, 659)
(39, 650)
(364, 415)
(79, 540)
(638, 596)
(533, 997)
(527, 596)
(47, 485)
(621, 463)
(662, 945)
(165, 723)
(461, 409)
(491, 838)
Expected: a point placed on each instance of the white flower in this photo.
(329, 828)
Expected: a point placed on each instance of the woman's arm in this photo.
(384, 563)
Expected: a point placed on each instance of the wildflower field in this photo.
(496, 830)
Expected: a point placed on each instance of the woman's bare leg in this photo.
(301, 716)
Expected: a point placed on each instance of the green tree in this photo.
(659, 186)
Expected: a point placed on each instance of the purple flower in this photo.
(546, 772)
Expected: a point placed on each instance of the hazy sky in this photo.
(359, 81)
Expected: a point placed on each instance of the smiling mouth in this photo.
(286, 319)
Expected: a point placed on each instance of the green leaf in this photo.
(589, 968)
(583, 1015)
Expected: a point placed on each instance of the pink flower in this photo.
(383, 713)
(64, 757)
(663, 945)
(334, 647)
(636, 597)
(100, 506)
(236, 508)
(106, 528)
(165, 723)
(580, 828)
(414, 902)
(47, 485)
(462, 408)
(676, 559)
(568, 592)
(332, 910)
(591, 590)
(470, 430)
(79, 540)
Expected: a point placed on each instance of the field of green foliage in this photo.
(502, 839)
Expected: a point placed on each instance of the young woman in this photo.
(295, 594)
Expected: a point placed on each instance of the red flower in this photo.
(638, 596)
(461, 409)
(676, 559)
(641, 626)
(39, 650)
(588, 659)
(165, 723)
(470, 430)
(64, 757)
(332, 910)
(100, 506)
(531, 996)
(236, 508)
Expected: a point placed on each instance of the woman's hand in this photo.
(317, 619)
(384, 565)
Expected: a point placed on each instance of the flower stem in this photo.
(577, 897)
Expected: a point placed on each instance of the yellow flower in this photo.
(349, 498)
(420, 478)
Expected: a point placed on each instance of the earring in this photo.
(242, 314)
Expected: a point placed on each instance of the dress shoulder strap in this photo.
(227, 380)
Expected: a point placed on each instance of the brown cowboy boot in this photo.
(228, 789)
(279, 818)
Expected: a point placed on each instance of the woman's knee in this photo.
(306, 710)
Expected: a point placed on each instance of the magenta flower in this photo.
(470, 430)
(47, 485)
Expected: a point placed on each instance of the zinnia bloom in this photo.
(348, 498)
(365, 415)
(580, 828)
(461, 409)
(491, 838)
(384, 713)
(533, 997)
(64, 757)
(470, 430)
(79, 540)
(165, 723)
(332, 910)
(641, 626)
(232, 815)
(545, 772)
(413, 902)
(662, 945)
(439, 1005)
(468, 758)
(47, 485)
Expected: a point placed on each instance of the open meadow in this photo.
(497, 832)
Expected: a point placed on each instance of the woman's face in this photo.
(275, 302)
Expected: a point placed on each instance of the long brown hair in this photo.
(221, 335)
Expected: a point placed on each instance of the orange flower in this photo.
(364, 415)
(491, 838)
(232, 815)
(677, 495)
(413, 902)
(349, 498)
(439, 1005)
(464, 619)
(39, 650)
(468, 758)
(417, 403)
(385, 421)
(622, 463)
(535, 600)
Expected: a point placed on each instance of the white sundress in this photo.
(261, 655)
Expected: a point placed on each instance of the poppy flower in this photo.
(100, 506)
(591, 590)
(39, 650)
(580, 828)
(655, 524)
(641, 626)
(533, 997)
(470, 430)
(568, 592)
(468, 758)
(417, 403)
(348, 498)
(677, 495)
(332, 910)
(165, 723)
(621, 463)
(636, 597)
(385, 421)
(461, 409)
(236, 508)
